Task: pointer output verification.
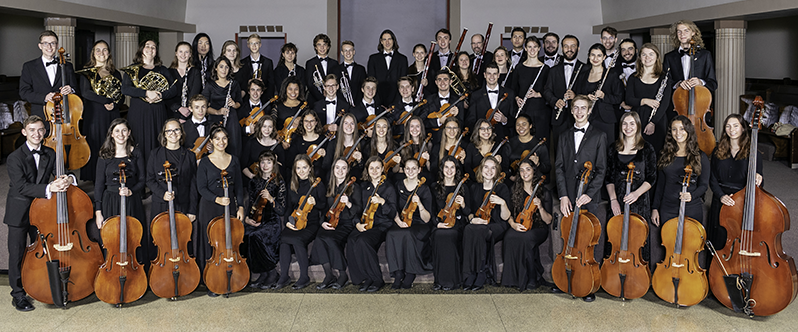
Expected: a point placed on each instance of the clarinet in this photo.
(601, 85)
(184, 93)
(660, 93)
(570, 86)
(227, 101)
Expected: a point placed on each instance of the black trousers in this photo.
(16, 251)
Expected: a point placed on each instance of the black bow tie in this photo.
(54, 62)
(628, 65)
(493, 91)
(567, 63)
(550, 57)
(39, 152)
(579, 129)
(411, 104)
(347, 65)
(331, 102)
(446, 99)
(516, 53)
(200, 123)
(255, 105)
(388, 54)
(323, 59)
(369, 105)
(684, 52)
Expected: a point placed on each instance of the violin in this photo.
(525, 217)
(61, 265)
(694, 104)
(256, 212)
(313, 149)
(445, 109)
(173, 273)
(338, 115)
(494, 151)
(526, 154)
(202, 146)
(752, 273)
(486, 208)
(678, 279)
(417, 156)
(410, 207)
(72, 113)
(625, 274)
(448, 215)
(255, 115)
(492, 112)
(388, 162)
(457, 149)
(367, 217)
(299, 218)
(575, 270)
(287, 133)
(371, 120)
(334, 214)
(350, 151)
(121, 279)
(226, 271)
(402, 120)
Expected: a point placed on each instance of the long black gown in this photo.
(604, 115)
(407, 249)
(188, 85)
(209, 185)
(146, 120)
(728, 176)
(636, 90)
(536, 108)
(217, 96)
(292, 241)
(96, 118)
(447, 249)
(329, 245)
(521, 250)
(517, 149)
(262, 243)
(362, 247)
(479, 265)
(281, 72)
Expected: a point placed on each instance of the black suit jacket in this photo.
(556, 87)
(361, 113)
(192, 133)
(26, 182)
(480, 104)
(387, 77)
(34, 85)
(486, 59)
(434, 105)
(704, 68)
(321, 107)
(355, 80)
(557, 58)
(267, 75)
(569, 164)
(314, 94)
(435, 64)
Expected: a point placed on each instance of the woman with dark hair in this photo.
(147, 111)
(100, 87)
(263, 139)
(287, 66)
(232, 52)
(290, 100)
(446, 240)
(524, 142)
(641, 93)
(187, 79)
(119, 147)
(387, 66)
(310, 132)
(223, 102)
(605, 100)
(202, 56)
(521, 248)
(184, 169)
(483, 142)
(416, 69)
(465, 74)
(523, 76)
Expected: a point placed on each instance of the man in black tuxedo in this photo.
(387, 66)
(258, 66)
(442, 56)
(404, 102)
(41, 77)
(354, 72)
(551, 44)
(369, 104)
(255, 89)
(324, 64)
(487, 98)
(197, 125)
(679, 62)
(517, 54)
(436, 100)
(477, 45)
(557, 92)
(580, 144)
(609, 36)
(625, 67)
(331, 104)
(29, 170)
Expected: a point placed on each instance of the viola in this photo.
(402, 120)
(492, 112)
(371, 120)
(457, 150)
(287, 133)
(61, 265)
(299, 218)
(678, 279)
(256, 114)
(448, 215)
(417, 156)
(410, 206)
(173, 273)
(367, 217)
(388, 162)
(202, 146)
(121, 279)
(313, 149)
(527, 153)
(256, 212)
(226, 271)
(445, 109)
(694, 104)
(350, 151)
(525, 216)
(575, 270)
(334, 214)
(625, 274)
(494, 151)
(79, 151)
(485, 209)
(752, 273)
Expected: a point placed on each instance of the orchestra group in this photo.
(439, 158)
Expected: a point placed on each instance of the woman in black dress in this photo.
(310, 132)
(363, 244)
(483, 142)
(346, 137)
(184, 169)
(288, 104)
(446, 240)
(414, 130)
(641, 94)
(416, 69)
(209, 185)
(406, 246)
(523, 77)
(480, 235)
(632, 148)
(223, 101)
(501, 58)
(187, 79)
(119, 147)
(202, 56)
(382, 143)
(521, 250)
(292, 239)
(287, 67)
(328, 250)
(526, 141)
(232, 52)
(262, 238)
(451, 133)
(100, 87)
(681, 149)
(604, 113)
(263, 139)
(465, 74)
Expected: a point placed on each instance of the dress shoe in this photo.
(436, 287)
(477, 288)
(212, 294)
(375, 287)
(322, 286)
(22, 304)
(467, 288)
(556, 290)
(298, 286)
(335, 285)
(268, 286)
(446, 288)
(365, 286)
(281, 285)
(589, 298)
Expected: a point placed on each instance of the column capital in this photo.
(731, 24)
(659, 31)
(60, 21)
(126, 29)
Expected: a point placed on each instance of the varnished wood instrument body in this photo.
(226, 272)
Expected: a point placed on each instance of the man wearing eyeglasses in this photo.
(41, 77)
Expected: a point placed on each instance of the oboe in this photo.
(660, 93)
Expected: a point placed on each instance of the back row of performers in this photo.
(221, 94)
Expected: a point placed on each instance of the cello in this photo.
(678, 279)
(448, 214)
(334, 214)
(299, 218)
(625, 274)
(485, 209)
(367, 217)
(410, 207)
(121, 279)
(173, 273)
(72, 113)
(694, 104)
(61, 225)
(752, 274)
(525, 217)
(575, 270)
(226, 271)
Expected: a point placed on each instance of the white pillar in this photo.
(127, 43)
(729, 68)
(64, 27)
(661, 37)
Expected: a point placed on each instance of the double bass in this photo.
(226, 271)
(72, 113)
(121, 279)
(625, 274)
(173, 273)
(61, 225)
(678, 279)
(575, 270)
(694, 104)
(752, 274)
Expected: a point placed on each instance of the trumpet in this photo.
(457, 85)
(346, 90)
(318, 81)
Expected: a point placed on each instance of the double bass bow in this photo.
(410, 207)
(448, 214)
(625, 274)
(485, 209)
(678, 279)
(299, 218)
(694, 104)
(173, 273)
(334, 214)
(575, 270)
(121, 279)
(367, 217)
(752, 273)
(61, 224)
(72, 113)
(525, 217)
(226, 271)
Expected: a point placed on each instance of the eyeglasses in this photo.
(172, 131)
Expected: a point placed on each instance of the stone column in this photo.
(127, 43)
(64, 27)
(729, 69)
(661, 37)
